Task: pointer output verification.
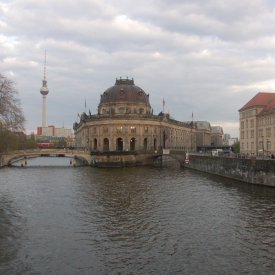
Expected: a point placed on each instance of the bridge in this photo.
(9, 158)
(103, 159)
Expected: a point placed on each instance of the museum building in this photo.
(125, 123)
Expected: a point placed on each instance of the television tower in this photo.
(44, 91)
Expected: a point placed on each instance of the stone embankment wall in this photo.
(121, 160)
(251, 170)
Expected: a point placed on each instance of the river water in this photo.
(57, 219)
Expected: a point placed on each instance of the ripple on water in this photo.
(139, 220)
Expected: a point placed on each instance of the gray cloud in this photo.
(205, 57)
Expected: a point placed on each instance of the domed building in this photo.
(125, 124)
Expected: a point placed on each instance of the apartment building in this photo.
(257, 125)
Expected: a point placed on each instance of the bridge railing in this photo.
(46, 150)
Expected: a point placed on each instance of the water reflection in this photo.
(11, 228)
(134, 220)
(166, 217)
(50, 161)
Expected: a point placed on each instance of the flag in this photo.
(163, 104)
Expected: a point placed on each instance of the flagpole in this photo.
(192, 132)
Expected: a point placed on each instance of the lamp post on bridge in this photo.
(263, 144)
(267, 146)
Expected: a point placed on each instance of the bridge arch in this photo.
(177, 157)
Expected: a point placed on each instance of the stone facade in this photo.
(125, 122)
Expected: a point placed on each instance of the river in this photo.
(57, 219)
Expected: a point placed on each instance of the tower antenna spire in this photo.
(45, 65)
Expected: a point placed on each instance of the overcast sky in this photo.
(205, 57)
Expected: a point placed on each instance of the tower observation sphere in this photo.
(44, 89)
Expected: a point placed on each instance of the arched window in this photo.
(119, 144)
(95, 144)
(164, 137)
(155, 144)
(145, 144)
(132, 144)
(106, 144)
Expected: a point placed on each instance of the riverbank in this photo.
(252, 170)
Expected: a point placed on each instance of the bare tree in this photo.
(11, 114)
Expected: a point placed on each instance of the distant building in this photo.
(257, 125)
(228, 140)
(203, 133)
(55, 135)
(232, 141)
(52, 131)
(216, 136)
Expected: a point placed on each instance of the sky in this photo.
(206, 57)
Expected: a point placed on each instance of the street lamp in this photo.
(263, 144)
(267, 146)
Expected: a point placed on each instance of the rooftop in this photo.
(260, 100)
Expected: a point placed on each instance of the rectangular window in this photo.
(268, 145)
(252, 133)
(119, 129)
(268, 132)
(133, 129)
(252, 123)
(252, 145)
(121, 110)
